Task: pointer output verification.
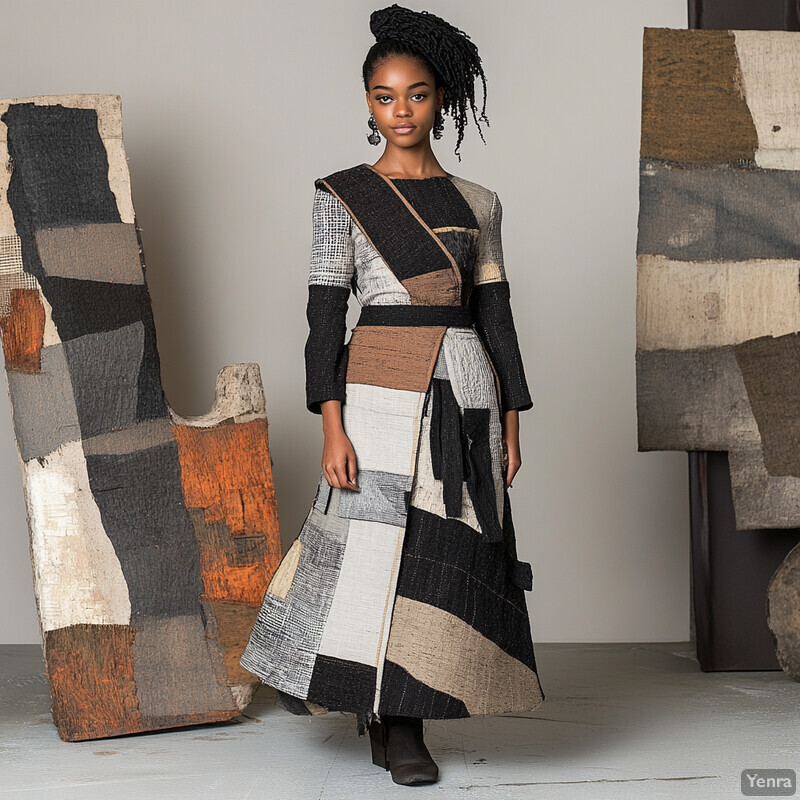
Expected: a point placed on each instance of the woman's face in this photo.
(402, 99)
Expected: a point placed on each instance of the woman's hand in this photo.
(338, 453)
(511, 442)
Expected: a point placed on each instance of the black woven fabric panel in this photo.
(449, 565)
(438, 201)
(491, 307)
(405, 314)
(404, 695)
(394, 231)
(325, 353)
(342, 685)
(63, 185)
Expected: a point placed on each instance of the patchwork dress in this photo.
(407, 597)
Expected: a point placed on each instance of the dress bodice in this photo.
(450, 206)
(406, 241)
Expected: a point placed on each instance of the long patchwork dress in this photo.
(407, 597)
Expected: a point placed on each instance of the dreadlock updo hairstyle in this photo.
(445, 50)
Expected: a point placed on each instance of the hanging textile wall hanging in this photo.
(718, 274)
(153, 537)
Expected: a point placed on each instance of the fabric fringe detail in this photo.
(364, 720)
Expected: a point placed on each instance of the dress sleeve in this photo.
(329, 285)
(494, 322)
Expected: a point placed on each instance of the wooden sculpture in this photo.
(153, 537)
(718, 279)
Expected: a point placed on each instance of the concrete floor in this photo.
(620, 721)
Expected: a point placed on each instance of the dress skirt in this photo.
(406, 597)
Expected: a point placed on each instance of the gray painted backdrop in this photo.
(230, 111)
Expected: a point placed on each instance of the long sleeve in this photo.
(491, 308)
(329, 286)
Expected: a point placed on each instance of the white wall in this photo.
(230, 112)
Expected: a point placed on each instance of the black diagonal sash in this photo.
(407, 245)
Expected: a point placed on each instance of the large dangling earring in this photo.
(438, 125)
(375, 136)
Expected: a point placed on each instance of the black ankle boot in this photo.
(397, 745)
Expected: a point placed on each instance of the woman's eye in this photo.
(387, 97)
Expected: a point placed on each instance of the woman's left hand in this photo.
(511, 445)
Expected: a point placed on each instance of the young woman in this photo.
(402, 598)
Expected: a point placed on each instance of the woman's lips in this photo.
(404, 128)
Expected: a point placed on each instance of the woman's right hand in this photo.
(338, 454)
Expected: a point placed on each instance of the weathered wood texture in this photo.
(783, 612)
(153, 537)
(718, 274)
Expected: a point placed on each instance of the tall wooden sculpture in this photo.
(718, 288)
(153, 537)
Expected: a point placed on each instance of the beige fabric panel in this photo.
(450, 656)
(487, 209)
(282, 579)
(68, 538)
(685, 305)
(770, 77)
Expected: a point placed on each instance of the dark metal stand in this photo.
(748, 15)
(730, 572)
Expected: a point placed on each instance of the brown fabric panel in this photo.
(769, 369)
(434, 289)
(234, 622)
(693, 107)
(94, 252)
(23, 331)
(90, 669)
(449, 655)
(396, 357)
(134, 437)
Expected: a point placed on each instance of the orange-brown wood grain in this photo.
(23, 331)
(90, 670)
(226, 474)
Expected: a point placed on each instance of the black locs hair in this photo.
(447, 51)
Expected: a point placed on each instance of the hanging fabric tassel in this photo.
(459, 443)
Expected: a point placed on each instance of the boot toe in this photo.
(413, 774)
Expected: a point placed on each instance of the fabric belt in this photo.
(407, 314)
